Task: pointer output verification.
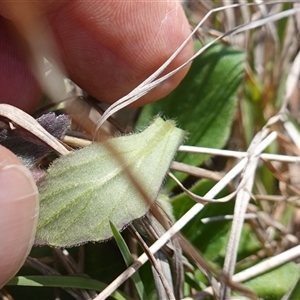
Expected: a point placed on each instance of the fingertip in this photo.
(109, 48)
(18, 214)
(18, 85)
(176, 31)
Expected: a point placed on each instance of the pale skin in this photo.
(107, 48)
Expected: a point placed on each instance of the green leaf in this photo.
(75, 282)
(87, 188)
(204, 102)
(129, 261)
(274, 284)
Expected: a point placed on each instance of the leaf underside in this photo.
(86, 189)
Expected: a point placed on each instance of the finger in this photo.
(108, 48)
(18, 214)
(17, 84)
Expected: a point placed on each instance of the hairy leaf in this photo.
(86, 189)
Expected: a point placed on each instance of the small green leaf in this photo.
(87, 188)
(204, 102)
(129, 261)
(75, 282)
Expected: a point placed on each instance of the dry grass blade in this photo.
(248, 216)
(265, 20)
(238, 154)
(268, 264)
(25, 121)
(195, 171)
(271, 26)
(292, 80)
(292, 132)
(165, 283)
(242, 200)
(229, 16)
(200, 199)
(76, 142)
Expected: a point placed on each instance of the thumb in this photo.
(18, 214)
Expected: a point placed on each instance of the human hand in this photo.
(107, 48)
